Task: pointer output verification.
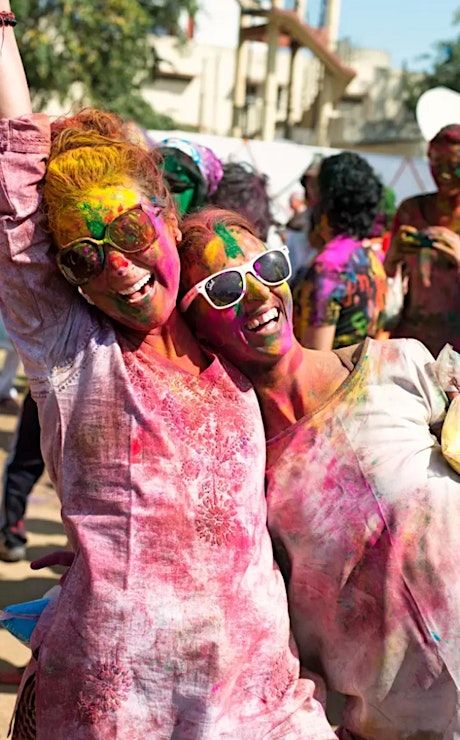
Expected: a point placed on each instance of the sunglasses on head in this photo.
(226, 288)
(132, 231)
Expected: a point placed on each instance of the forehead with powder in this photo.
(228, 247)
(94, 211)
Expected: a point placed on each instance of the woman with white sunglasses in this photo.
(363, 510)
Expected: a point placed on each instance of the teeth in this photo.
(264, 318)
(137, 286)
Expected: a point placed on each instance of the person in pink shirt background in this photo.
(172, 621)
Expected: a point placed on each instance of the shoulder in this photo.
(414, 206)
(400, 352)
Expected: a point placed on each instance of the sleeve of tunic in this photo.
(41, 311)
(419, 363)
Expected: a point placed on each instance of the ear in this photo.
(174, 224)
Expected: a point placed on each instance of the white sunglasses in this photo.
(226, 288)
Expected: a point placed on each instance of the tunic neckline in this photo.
(343, 388)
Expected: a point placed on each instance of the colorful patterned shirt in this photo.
(345, 287)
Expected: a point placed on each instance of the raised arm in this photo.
(14, 91)
(41, 311)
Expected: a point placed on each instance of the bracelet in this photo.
(7, 18)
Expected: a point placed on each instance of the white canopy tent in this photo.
(284, 162)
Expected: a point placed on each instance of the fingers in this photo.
(58, 557)
(447, 250)
(425, 263)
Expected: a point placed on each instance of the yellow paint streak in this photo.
(213, 250)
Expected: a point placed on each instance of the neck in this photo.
(294, 385)
(173, 341)
(450, 202)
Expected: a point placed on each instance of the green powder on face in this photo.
(232, 248)
(94, 221)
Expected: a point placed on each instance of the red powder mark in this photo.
(118, 261)
(135, 449)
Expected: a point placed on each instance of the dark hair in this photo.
(447, 135)
(197, 231)
(244, 190)
(349, 194)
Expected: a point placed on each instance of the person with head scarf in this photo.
(192, 172)
(425, 247)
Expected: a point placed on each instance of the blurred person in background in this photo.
(339, 299)
(23, 468)
(301, 253)
(10, 367)
(245, 190)
(192, 172)
(425, 246)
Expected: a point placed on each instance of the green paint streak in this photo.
(232, 248)
(94, 220)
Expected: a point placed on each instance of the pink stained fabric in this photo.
(364, 514)
(172, 621)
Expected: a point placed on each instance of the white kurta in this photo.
(365, 513)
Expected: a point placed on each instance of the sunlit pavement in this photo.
(17, 581)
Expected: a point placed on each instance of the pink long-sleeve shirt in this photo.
(172, 621)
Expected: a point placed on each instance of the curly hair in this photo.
(244, 190)
(95, 149)
(349, 194)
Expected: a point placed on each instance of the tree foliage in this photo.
(95, 52)
(444, 66)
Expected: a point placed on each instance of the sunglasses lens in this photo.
(133, 231)
(272, 267)
(225, 289)
(81, 262)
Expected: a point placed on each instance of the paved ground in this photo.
(17, 581)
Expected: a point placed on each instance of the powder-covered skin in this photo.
(364, 514)
(345, 286)
(431, 314)
(172, 621)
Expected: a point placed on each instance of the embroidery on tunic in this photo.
(107, 686)
(215, 520)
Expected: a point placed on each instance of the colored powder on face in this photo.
(212, 251)
(94, 220)
(232, 248)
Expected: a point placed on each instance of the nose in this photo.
(255, 290)
(117, 261)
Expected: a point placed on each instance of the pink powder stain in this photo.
(136, 448)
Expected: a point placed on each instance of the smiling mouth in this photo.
(138, 290)
(265, 321)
